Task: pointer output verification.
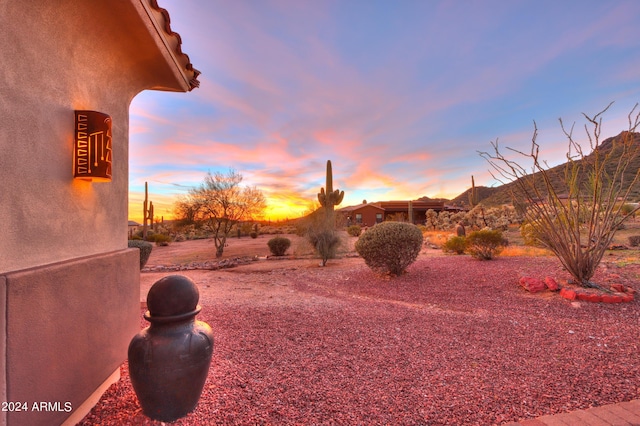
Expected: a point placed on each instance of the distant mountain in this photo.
(484, 192)
(425, 198)
(502, 194)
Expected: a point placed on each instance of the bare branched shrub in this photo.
(575, 210)
(320, 231)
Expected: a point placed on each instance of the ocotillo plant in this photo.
(330, 198)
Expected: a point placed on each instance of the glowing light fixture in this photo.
(92, 149)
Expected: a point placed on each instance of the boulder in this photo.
(532, 285)
(551, 284)
(568, 294)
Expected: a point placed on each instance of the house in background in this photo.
(364, 214)
(413, 211)
(69, 285)
(133, 227)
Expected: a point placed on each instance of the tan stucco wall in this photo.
(68, 328)
(69, 287)
(57, 57)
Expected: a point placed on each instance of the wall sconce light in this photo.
(92, 151)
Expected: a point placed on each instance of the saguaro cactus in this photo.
(330, 198)
(147, 211)
(473, 194)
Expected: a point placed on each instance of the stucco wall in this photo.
(368, 213)
(68, 328)
(58, 57)
(69, 287)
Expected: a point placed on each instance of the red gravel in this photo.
(454, 341)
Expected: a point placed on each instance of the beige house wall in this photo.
(57, 57)
(69, 286)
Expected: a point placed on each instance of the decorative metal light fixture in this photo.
(92, 149)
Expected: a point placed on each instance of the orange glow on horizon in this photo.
(276, 210)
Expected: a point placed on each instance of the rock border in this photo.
(619, 292)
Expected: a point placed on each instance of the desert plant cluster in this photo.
(576, 210)
(573, 211)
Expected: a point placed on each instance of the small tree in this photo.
(575, 210)
(221, 203)
(432, 219)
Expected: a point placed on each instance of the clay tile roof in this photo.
(177, 43)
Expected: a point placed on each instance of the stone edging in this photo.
(619, 293)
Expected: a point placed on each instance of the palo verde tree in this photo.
(575, 209)
(220, 202)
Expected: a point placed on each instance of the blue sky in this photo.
(399, 95)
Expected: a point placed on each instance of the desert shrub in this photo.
(135, 237)
(627, 209)
(456, 244)
(390, 246)
(529, 235)
(179, 237)
(279, 245)
(435, 239)
(326, 243)
(145, 248)
(485, 244)
(354, 230)
(160, 239)
(253, 234)
(319, 229)
(634, 240)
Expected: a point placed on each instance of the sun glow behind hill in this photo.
(278, 208)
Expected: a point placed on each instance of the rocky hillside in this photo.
(502, 194)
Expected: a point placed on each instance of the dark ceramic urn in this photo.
(169, 360)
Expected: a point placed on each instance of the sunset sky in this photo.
(400, 95)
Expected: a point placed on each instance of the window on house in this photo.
(378, 217)
(358, 218)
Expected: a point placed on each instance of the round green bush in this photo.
(279, 245)
(354, 230)
(160, 239)
(455, 245)
(253, 234)
(145, 248)
(390, 246)
(485, 244)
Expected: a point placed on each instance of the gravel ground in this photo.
(454, 341)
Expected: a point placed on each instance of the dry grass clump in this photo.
(513, 251)
(436, 238)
